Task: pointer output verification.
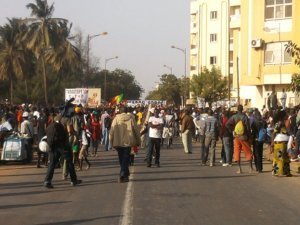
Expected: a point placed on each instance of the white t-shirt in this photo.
(153, 132)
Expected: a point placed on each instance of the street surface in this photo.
(179, 192)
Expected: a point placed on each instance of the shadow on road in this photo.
(31, 205)
(191, 178)
(79, 221)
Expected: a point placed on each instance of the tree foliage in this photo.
(39, 58)
(170, 89)
(210, 85)
(294, 50)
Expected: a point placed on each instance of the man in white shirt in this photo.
(155, 134)
(27, 134)
(283, 98)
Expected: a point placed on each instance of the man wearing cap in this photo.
(27, 134)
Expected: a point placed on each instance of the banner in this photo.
(94, 97)
(201, 102)
(146, 102)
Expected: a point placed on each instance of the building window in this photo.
(213, 15)
(275, 53)
(278, 9)
(213, 60)
(213, 37)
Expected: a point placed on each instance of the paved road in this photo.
(179, 192)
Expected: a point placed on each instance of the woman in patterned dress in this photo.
(281, 162)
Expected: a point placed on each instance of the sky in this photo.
(140, 32)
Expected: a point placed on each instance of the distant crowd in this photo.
(73, 134)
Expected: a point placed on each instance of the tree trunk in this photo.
(26, 89)
(11, 91)
(45, 80)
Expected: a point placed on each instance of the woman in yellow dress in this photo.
(281, 161)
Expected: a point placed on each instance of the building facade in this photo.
(246, 39)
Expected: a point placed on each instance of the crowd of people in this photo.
(74, 134)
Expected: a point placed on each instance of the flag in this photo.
(117, 99)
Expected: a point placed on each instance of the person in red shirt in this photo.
(96, 134)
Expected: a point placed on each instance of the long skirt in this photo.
(281, 161)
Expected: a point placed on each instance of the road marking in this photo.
(127, 209)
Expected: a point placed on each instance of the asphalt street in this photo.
(179, 192)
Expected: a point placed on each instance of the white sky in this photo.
(140, 32)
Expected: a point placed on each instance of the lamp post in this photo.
(105, 74)
(89, 38)
(170, 68)
(183, 50)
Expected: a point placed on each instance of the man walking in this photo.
(123, 135)
(57, 139)
(187, 130)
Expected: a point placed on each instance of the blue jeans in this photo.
(228, 149)
(209, 143)
(105, 139)
(124, 159)
(201, 140)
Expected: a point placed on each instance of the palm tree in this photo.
(12, 59)
(41, 35)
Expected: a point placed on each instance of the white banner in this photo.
(79, 94)
(146, 102)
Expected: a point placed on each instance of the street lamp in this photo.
(183, 50)
(105, 74)
(170, 68)
(89, 38)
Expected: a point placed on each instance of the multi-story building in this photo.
(209, 36)
(246, 39)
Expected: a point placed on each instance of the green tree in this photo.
(118, 81)
(210, 85)
(170, 89)
(12, 56)
(42, 34)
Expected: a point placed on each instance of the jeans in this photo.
(54, 157)
(258, 155)
(28, 142)
(124, 159)
(105, 140)
(228, 149)
(209, 143)
(187, 141)
(153, 142)
(201, 140)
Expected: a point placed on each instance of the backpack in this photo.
(262, 134)
(239, 128)
(107, 122)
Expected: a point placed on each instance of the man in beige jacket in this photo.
(123, 135)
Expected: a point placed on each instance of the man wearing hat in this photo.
(27, 134)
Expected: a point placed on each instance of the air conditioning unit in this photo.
(256, 43)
